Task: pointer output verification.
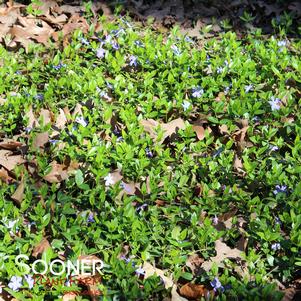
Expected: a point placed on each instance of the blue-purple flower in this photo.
(15, 283)
(39, 96)
(197, 92)
(279, 189)
(133, 61)
(30, 281)
(276, 246)
(140, 272)
(175, 50)
(249, 88)
(81, 120)
(100, 52)
(215, 220)
(148, 152)
(59, 66)
(275, 103)
(139, 43)
(84, 41)
(90, 218)
(216, 284)
(186, 104)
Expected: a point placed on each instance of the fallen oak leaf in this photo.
(10, 144)
(4, 176)
(222, 252)
(150, 270)
(194, 291)
(200, 131)
(41, 247)
(58, 173)
(169, 128)
(40, 140)
(18, 195)
(9, 160)
(194, 262)
(175, 296)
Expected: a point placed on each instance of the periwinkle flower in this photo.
(275, 103)
(133, 61)
(281, 43)
(59, 66)
(39, 96)
(273, 148)
(279, 189)
(139, 43)
(30, 281)
(148, 152)
(140, 272)
(84, 41)
(219, 70)
(216, 284)
(15, 283)
(186, 104)
(109, 180)
(197, 92)
(276, 246)
(81, 120)
(141, 208)
(175, 50)
(215, 220)
(115, 45)
(90, 218)
(100, 52)
(248, 88)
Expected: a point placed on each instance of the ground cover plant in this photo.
(176, 162)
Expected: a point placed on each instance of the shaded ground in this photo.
(21, 23)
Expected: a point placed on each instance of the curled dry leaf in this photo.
(151, 270)
(59, 172)
(222, 252)
(194, 291)
(4, 176)
(10, 144)
(175, 296)
(194, 262)
(32, 121)
(61, 120)
(238, 165)
(200, 131)
(9, 160)
(40, 140)
(18, 195)
(169, 128)
(41, 247)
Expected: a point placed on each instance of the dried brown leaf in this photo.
(193, 291)
(61, 120)
(4, 176)
(175, 296)
(40, 140)
(18, 195)
(200, 131)
(169, 128)
(41, 247)
(58, 173)
(151, 270)
(194, 262)
(9, 160)
(222, 252)
(32, 121)
(10, 144)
